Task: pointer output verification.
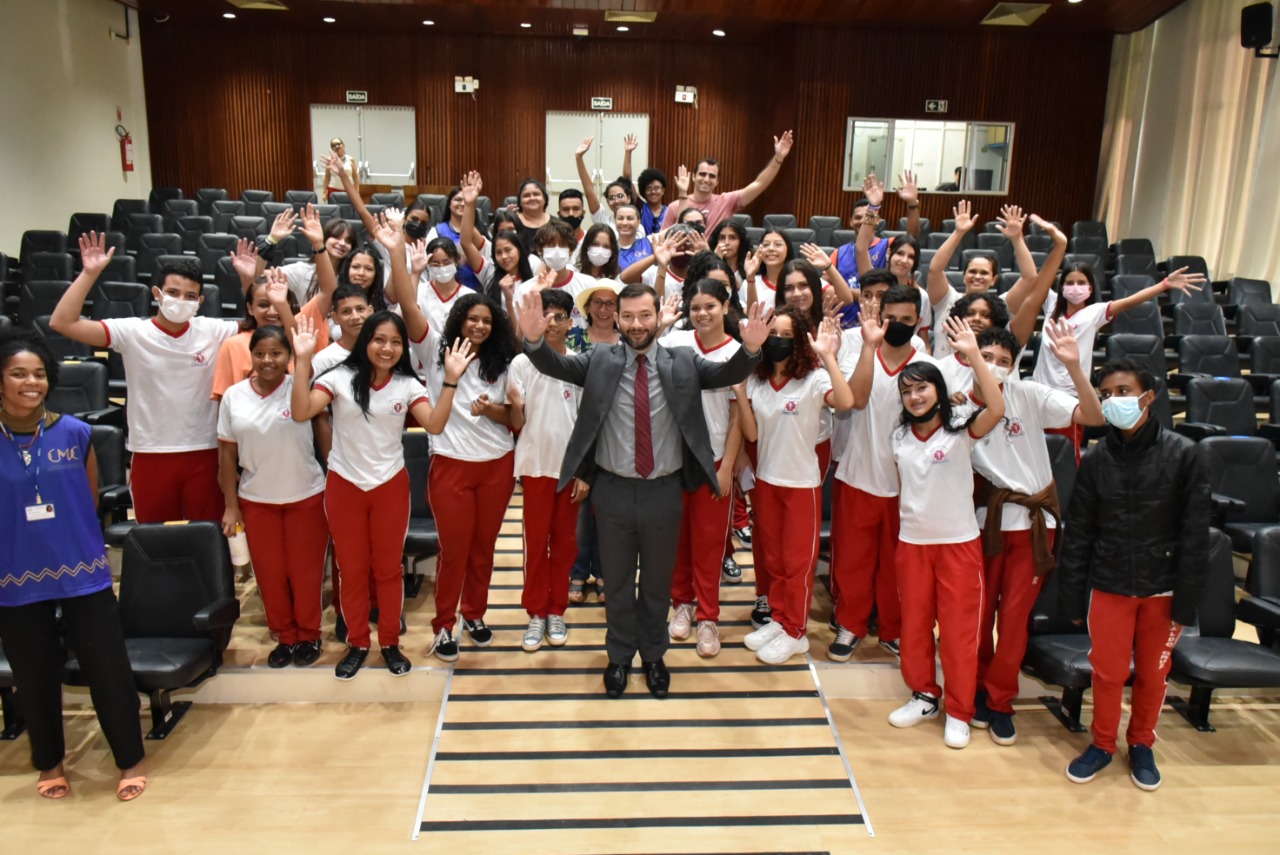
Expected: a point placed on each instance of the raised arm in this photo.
(683, 180)
(306, 403)
(781, 148)
(433, 417)
(471, 186)
(326, 278)
(569, 368)
(247, 264)
(66, 318)
(1012, 223)
(963, 341)
(872, 336)
(1063, 343)
(1187, 283)
(965, 221)
(822, 262)
(335, 164)
(1026, 301)
(629, 143)
(874, 191)
(588, 186)
(399, 288)
(825, 345)
(909, 193)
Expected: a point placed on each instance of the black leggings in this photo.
(30, 637)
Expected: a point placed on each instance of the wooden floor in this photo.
(528, 761)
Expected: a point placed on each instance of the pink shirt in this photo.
(719, 207)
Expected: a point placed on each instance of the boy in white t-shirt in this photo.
(544, 410)
(554, 243)
(169, 360)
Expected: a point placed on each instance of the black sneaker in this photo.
(1142, 768)
(306, 653)
(445, 646)
(397, 664)
(1002, 730)
(761, 614)
(981, 712)
(340, 628)
(891, 647)
(841, 650)
(281, 656)
(481, 635)
(743, 534)
(1086, 767)
(730, 572)
(351, 663)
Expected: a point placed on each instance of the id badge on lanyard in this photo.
(39, 510)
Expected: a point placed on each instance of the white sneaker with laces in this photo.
(708, 638)
(782, 647)
(762, 636)
(914, 711)
(956, 733)
(557, 631)
(681, 622)
(534, 634)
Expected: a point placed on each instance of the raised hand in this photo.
(456, 360)
(1062, 342)
(629, 142)
(872, 330)
(873, 190)
(304, 337)
(533, 318)
(782, 145)
(815, 256)
(394, 216)
(388, 232)
(909, 192)
(830, 303)
(545, 279)
(471, 186)
(827, 341)
(283, 225)
(418, 257)
(756, 325)
(1011, 221)
(245, 259)
(682, 180)
(696, 242)
(670, 311)
(1056, 233)
(584, 146)
(312, 227)
(333, 163)
(479, 405)
(752, 263)
(1185, 282)
(94, 255)
(962, 339)
(964, 216)
(277, 286)
(664, 246)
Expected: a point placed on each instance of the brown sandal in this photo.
(140, 782)
(47, 788)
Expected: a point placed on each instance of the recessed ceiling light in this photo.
(428, 23)
(624, 29)
(330, 20)
(1074, 1)
(719, 33)
(230, 16)
(525, 26)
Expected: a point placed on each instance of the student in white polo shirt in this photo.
(473, 459)
(350, 310)
(169, 361)
(367, 489)
(544, 410)
(274, 490)
(554, 243)
(787, 396)
(939, 555)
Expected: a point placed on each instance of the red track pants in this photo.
(1011, 587)
(1120, 628)
(864, 574)
(941, 583)
(287, 543)
(1073, 432)
(179, 485)
(550, 546)
(700, 554)
(785, 539)
(368, 529)
(468, 499)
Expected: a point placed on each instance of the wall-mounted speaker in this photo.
(1256, 25)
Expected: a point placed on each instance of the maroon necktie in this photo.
(644, 436)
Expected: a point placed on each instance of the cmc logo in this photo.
(59, 455)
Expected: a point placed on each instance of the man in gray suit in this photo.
(640, 439)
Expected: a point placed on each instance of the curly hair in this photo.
(497, 351)
(802, 359)
(998, 309)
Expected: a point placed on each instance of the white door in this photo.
(383, 140)
(566, 131)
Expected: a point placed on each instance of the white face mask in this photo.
(557, 257)
(443, 274)
(999, 372)
(178, 311)
(598, 255)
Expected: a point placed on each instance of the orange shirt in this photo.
(235, 363)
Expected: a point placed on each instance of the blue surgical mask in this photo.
(1122, 413)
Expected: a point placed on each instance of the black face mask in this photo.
(896, 333)
(415, 229)
(573, 221)
(925, 416)
(777, 349)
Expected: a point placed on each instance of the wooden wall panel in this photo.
(229, 106)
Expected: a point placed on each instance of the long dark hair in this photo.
(377, 298)
(744, 242)
(719, 292)
(803, 359)
(358, 359)
(498, 349)
(523, 269)
(700, 267)
(249, 322)
(335, 228)
(608, 270)
(1060, 307)
(929, 373)
(812, 278)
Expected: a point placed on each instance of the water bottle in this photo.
(239, 544)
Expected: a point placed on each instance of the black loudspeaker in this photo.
(1256, 25)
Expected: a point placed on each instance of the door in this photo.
(566, 131)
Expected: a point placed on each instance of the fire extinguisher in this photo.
(126, 148)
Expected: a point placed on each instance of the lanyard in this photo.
(25, 457)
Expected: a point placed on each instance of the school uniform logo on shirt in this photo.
(791, 407)
(59, 455)
(1015, 427)
(286, 414)
(198, 359)
(398, 408)
(567, 394)
(940, 456)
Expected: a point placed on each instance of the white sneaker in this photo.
(557, 632)
(956, 733)
(708, 638)
(914, 711)
(534, 634)
(762, 636)
(681, 622)
(781, 648)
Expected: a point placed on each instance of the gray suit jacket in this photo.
(683, 374)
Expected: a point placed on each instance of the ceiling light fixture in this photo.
(719, 33)
(428, 23)
(330, 20)
(624, 29)
(230, 16)
(525, 26)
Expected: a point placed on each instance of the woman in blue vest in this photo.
(52, 554)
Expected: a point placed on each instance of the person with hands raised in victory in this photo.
(903, 253)
(845, 258)
(782, 413)
(639, 439)
(720, 206)
(939, 555)
(367, 490)
(617, 193)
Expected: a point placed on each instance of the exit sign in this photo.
(935, 106)
(601, 103)
(357, 96)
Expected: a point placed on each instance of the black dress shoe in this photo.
(397, 664)
(658, 678)
(615, 679)
(351, 663)
(281, 656)
(306, 653)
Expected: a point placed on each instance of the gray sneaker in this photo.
(534, 634)
(557, 632)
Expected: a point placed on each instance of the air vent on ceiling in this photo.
(615, 17)
(263, 5)
(1015, 14)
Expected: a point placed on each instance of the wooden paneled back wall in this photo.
(229, 107)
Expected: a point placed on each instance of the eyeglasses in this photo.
(617, 197)
(602, 304)
(560, 317)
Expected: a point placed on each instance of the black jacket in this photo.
(1138, 524)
